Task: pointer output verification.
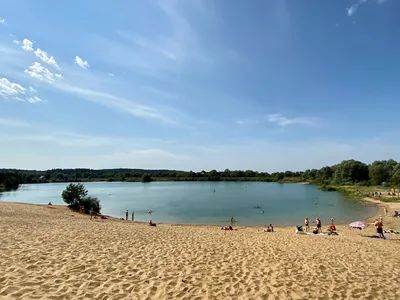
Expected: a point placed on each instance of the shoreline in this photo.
(368, 220)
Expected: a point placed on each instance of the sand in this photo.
(53, 253)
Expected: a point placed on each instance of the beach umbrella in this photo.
(358, 225)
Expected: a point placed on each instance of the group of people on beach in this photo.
(318, 226)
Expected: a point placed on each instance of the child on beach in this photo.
(379, 228)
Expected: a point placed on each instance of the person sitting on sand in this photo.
(50, 203)
(299, 229)
(332, 229)
(272, 227)
(227, 228)
(152, 224)
(316, 230)
(268, 229)
(379, 228)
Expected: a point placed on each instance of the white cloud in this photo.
(353, 8)
(284, 121)
(10, 89)
(82, 63)
(34, 99)
(39, 72)
(41, 54)
(44, 57)
(27, 45)
(15, 91)
(111, 74)
(32, 90)
(2, 21)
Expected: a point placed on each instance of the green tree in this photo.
(351, 171)
(324, 175)
(74, 194)
(378, 172)
(395, 180)
(146, 178)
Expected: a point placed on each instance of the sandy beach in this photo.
(49, 252)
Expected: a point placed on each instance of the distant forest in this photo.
(348, 172)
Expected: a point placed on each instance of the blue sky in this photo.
(263, 85)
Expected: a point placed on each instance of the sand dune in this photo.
(52, 253)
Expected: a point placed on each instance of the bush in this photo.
(74, 194)
(90, 202)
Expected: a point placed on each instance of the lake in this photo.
(197, 203)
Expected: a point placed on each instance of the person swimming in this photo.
(262, 211)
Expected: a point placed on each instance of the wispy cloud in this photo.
(118, 103)
(22, 130)
(2, 21)
(41, 73)
(34, 99)
(161, 93)
(111, 75)
(146, 157)
(285, 121)
(354, 8)
(14, 91)
(175, 45)
(13, 122)
(16, 42)
(82, 63)
(247, 121)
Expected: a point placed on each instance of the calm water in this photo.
(197, 203)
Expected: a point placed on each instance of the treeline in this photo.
(348, 172)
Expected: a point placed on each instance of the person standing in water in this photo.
(232, 220)
(126, 215)
(133, 215)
